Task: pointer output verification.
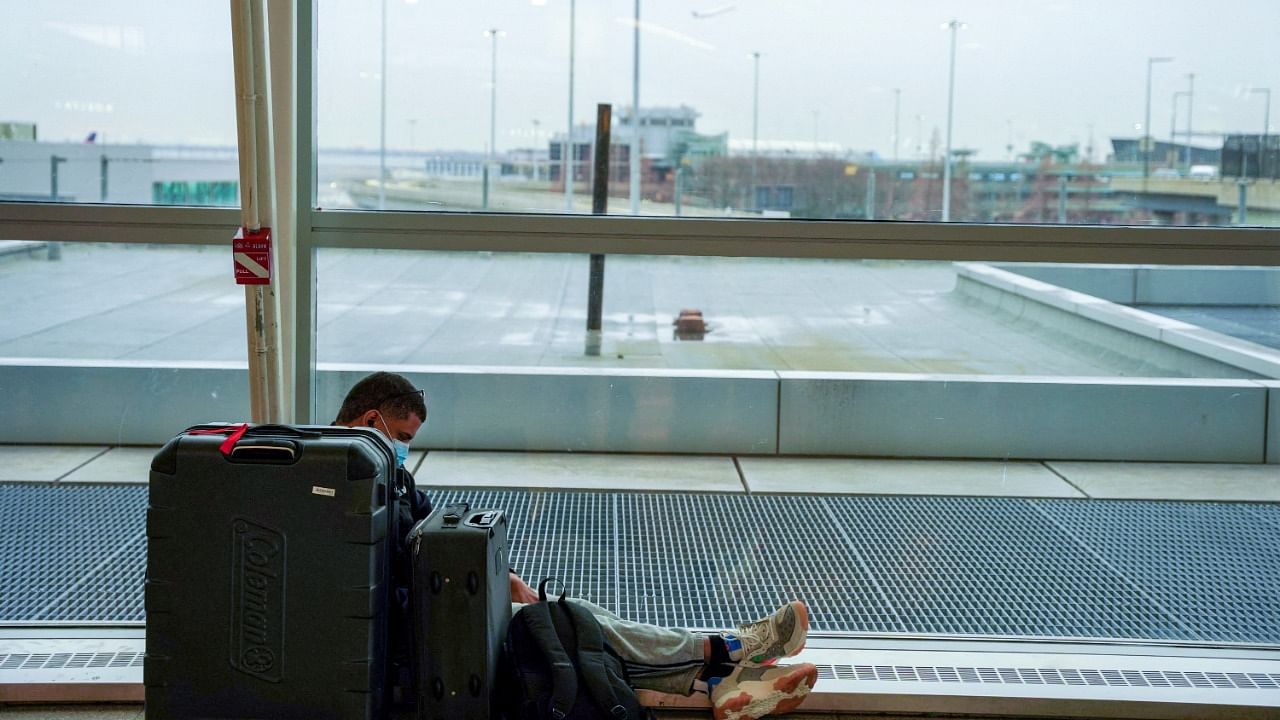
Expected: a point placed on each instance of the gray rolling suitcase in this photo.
(268, 574)
(462, 606)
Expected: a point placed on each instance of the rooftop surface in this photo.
(390, 307)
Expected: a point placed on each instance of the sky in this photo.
(1051, 70)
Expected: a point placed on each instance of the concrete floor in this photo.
(385, 307)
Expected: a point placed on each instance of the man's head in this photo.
(386, 402)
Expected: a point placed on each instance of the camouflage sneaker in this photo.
(779, 635)
(752, 692)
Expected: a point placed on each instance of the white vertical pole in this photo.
(281, 18)
(253, 131)
(635, 116)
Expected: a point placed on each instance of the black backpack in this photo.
(558, 666)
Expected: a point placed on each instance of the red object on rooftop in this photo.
(690, 325)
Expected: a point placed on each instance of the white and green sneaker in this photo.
(751, 692)
(764, 641)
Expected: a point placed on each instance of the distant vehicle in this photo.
(1165, 173)
(1203, 172)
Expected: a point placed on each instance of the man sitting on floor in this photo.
(735, 667)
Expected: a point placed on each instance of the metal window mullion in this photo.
(142, 224)
(304, 299)
(785, 239)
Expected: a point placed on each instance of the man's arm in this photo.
(520, 590)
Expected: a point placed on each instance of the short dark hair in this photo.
(385, 392)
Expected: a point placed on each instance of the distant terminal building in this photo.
(1163, 154)
(137, 174)
(668, 140)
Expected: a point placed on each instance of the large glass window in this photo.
(825, 109)
(118, 102)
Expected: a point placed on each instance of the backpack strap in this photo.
(564, 678)
(602, 686)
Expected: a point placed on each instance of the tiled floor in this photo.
(580, 471)
(903, 477)
(759, 475)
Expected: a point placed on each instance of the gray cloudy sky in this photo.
(160, 71)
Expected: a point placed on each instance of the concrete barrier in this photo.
(891, 415)
(705, 412)
(115, 402)
(585, 409)
(1161, 284)
(1192, 350)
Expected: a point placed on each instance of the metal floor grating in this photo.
(1141, 570)
(72, 552)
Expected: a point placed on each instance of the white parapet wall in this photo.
(1206, 351)
(956, 416)
(585, 409)
(688, 411)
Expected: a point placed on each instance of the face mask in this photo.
(401, 448)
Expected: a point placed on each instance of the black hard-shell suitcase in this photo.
(462, 606)
(268, 574)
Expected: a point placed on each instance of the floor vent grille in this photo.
(1051, 676)
(64, 661)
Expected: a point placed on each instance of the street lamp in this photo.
(1173, 123)
(953, 25)
(755, 122)
(897, 106)
(634, 153)
(1146, 126)
(1266, 126)
(566, 154)
(382, 117)
(1191, 100)
(493, 34)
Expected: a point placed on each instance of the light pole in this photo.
(382, 117)
(755, 123)
(634, 159)
(954, 25)
(1266, 112)
(492, 34)
(566, 153)
(533, 157)
(1146, 125)
(1266, 126)
(897, 107)
(1173, 123)
(1191, 101)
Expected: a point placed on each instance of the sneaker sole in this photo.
(788, 692)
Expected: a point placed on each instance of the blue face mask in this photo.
(401, 448)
